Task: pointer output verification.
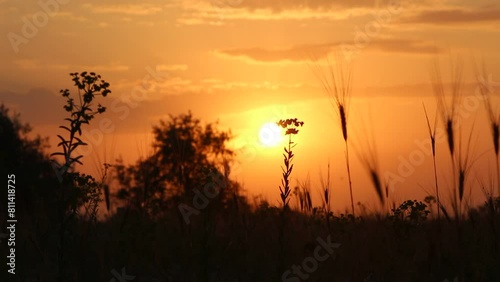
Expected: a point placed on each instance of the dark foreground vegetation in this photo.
(181, 217)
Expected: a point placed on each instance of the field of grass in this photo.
(242, 244)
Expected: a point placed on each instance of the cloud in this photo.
(294, 53)
(405, 46)
(215, 11)
(38, 106)
(240, 86)
(178, 86)
(455, 16)
(71, 16)
(124, 9)
(313, 52)
(280, 6)
(34, 64)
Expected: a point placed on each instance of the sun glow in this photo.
(270, 134)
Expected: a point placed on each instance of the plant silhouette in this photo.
(76, 189)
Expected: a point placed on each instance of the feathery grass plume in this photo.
(486, 90)
(369, 159)
(337, 83)
(386, 203)
(464, 164)
(448, 110)
(432, 135)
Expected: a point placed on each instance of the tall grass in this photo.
(326, 196)
(370, 161)
(101, 167)
(448, 108)
(488, 190)
(493, 116)
(303, 193)
(464, 164)
(432, 135)
(461, 160)
(337, 83)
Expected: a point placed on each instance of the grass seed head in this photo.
(496, 135)
(343, 121)
(461, 183)
(377, 183)
(450, 136)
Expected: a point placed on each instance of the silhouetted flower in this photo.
(290, 122)
(291, 129)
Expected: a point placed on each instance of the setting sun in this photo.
(270, 134)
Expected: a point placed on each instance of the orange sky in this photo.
(248, 62)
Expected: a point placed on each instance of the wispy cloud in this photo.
(35, 64)
(405, 46)
(456, 16)
(309, 52)
(211, 12)
(124, 9)
(70, 16)
(266, 55)
(176, 86)
(278, 6)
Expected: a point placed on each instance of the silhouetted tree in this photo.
(187, 154)
(25, 157)
(141, 186)
(186, 150)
